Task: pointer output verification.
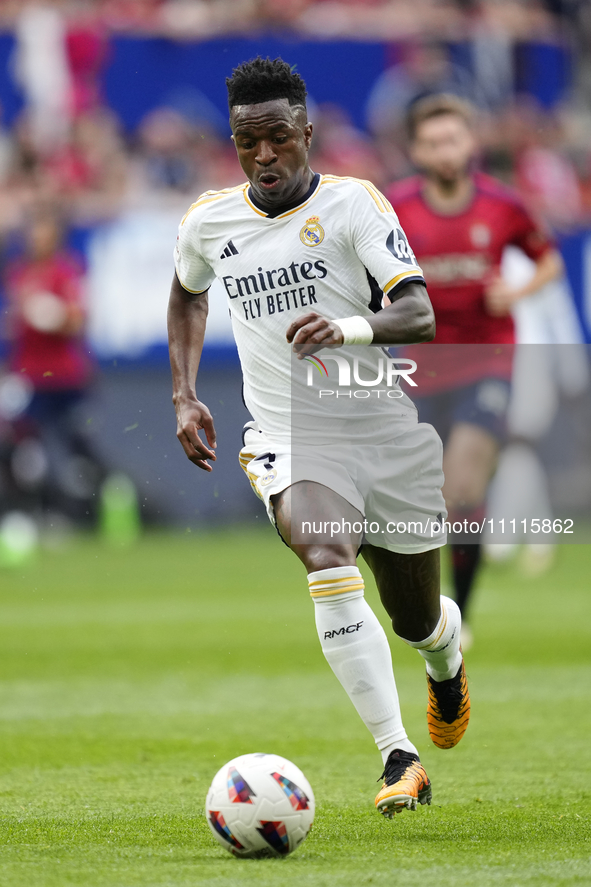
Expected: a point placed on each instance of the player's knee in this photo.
(324, 557)
(415, 627)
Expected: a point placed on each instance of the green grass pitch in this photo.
(129, 677)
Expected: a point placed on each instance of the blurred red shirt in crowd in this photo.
(47, 314)
(87, 49)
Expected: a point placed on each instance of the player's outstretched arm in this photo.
(187, 317)
(407, 320)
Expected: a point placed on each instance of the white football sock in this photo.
(441, 650)
(356, 648)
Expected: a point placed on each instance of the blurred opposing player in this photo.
(305, 260)
(459, 222)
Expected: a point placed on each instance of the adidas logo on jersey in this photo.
(230, 250)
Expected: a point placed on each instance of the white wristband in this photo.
(356, 330)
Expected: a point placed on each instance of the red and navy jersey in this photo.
(52, 361)
(459, 255)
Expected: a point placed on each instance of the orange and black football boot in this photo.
(406, 784)
(448, 711)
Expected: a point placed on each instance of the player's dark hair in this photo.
(263, 80)
(437, 106)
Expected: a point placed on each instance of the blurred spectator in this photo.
(545, 174)
(543, 156)
(87, 49)
(165, 152)
(43, 71)
(132, 15)
(51, 459)
(46, 311)
(281, 13)
(190, 19)
(493, 50)
(164, 166)
(85, 175)
(175, 158)
(89, 171)
(341, 148)
(425, 69)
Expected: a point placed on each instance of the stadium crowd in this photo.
(68, 146)
(359, 19)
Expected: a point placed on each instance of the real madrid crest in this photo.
(312, 233)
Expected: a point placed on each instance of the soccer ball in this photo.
(260, 805)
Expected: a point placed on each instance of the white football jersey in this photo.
(336, 252)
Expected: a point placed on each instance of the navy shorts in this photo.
(483, 403)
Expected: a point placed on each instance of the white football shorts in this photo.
(395, 486)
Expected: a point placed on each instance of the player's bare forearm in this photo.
(187, 318)
(549, 267)
(407, 320)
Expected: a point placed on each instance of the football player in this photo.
(304, 260)
(459, 221)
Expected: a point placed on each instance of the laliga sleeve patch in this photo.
(399, 246)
